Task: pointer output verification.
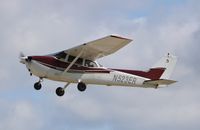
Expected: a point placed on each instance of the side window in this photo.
(89, 63)
(79, 61)
(71, 58)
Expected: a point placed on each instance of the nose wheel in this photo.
(38, 84)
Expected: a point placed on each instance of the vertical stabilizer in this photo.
(168, 62)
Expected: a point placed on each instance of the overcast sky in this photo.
(47, 26)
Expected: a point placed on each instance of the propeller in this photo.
(21, 54)
(23, 58)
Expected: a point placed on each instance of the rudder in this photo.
(168, 62)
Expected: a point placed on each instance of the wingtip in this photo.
(120, 37)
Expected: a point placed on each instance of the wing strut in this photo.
(72, 63)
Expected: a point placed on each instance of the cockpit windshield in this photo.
(61, 55)
(80, 61)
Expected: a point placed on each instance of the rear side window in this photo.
(89, 63)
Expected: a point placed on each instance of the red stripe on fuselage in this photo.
(54, 63)
(153, 74)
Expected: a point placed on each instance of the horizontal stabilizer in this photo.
(159, 82)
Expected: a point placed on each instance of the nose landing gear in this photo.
(38, 84)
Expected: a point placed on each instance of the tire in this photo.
(60, 91)
(81, 86)
(37, 86)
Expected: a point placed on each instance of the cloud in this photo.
(45, 27)
(19, 115)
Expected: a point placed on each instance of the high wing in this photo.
(98, 48)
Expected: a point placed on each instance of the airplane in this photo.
(79, 65)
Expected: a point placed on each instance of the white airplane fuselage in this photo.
(99, 75)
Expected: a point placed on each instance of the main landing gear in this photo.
(38, 84)
(61, 91)
(81, 86)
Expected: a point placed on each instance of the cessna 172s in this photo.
(79, 65)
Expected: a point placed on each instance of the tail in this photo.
(168, 63)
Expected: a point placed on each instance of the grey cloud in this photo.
(38, 27)
(19, 115)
